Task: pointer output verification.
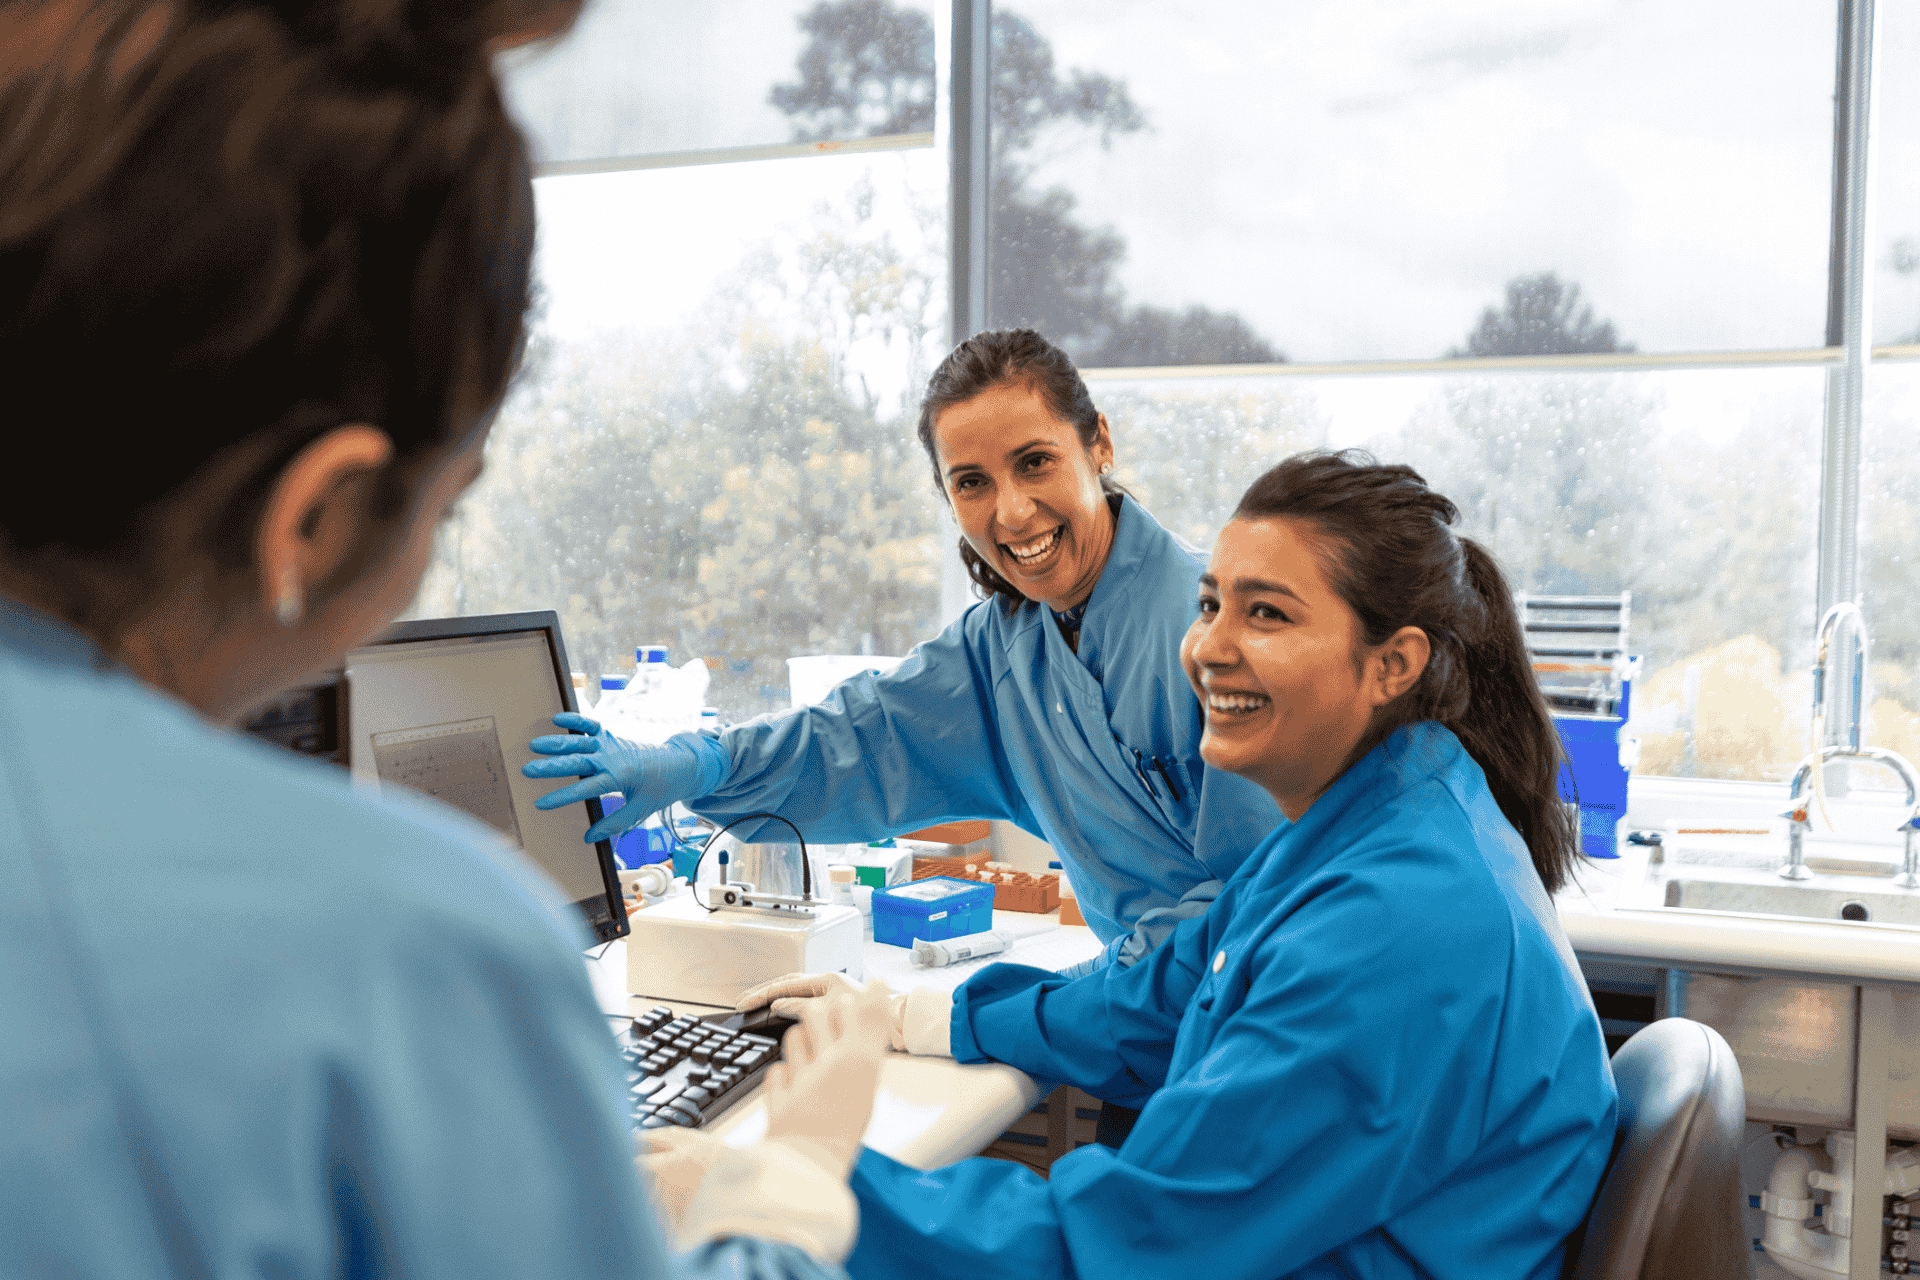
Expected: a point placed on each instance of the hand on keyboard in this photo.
(792, 995)
(684, 1071)
(820, 1096)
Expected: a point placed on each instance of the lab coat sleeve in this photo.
(882, 755)
(1110, 1033)
(488, 1136)
(1349, 1080)
(750, 1260)
(1156, 926)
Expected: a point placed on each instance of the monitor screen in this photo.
(446, 707)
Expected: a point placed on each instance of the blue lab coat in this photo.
(998, 718)
(257, 1024)
(1374, 1056)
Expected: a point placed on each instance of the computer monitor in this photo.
(446, 706)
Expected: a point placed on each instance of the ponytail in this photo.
(1508, 730)
(1393, 557)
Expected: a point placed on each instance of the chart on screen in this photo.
(459, 762)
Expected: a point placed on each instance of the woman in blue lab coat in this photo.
(1057, 703)
(269, 264)
(1374, 1055)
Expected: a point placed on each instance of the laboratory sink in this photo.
(1795, 1038)
(1808, 901)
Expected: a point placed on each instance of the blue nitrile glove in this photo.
(686, 767)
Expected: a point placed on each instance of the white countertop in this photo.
(929, 1111)
(932, 1111)
(1611, 914)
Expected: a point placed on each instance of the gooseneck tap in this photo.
(1799, 822)
(1847, 732)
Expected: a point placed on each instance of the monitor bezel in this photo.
(614, 925)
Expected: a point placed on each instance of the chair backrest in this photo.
(1669, 1207)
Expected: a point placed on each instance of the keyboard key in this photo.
(728, 1077)
(697, 1096)
(647, 1086)
(697, 1073)
(657, 1121)
(724, 1057)
(680, 1118)
(759, 1042)
(683, 1105)
(751, 1060)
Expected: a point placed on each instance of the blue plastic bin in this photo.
(637, 846)
(932, 910)
(1594, 775)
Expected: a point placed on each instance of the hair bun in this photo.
(408, 37)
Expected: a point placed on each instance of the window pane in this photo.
(641, 77)
(1331, 180)
(1895, 242)
(1580, 484)
(1890, 556)
(712, 445)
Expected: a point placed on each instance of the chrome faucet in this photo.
(1800, 824)
(1847, 732)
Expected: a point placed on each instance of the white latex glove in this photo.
(820, 1093)
(918, 1022)
(708, 1190)
(676, 1161)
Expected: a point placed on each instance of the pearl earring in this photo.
(1107, 468)
(288, 608)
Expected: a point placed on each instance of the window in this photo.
(711, 444)
(1694, 489)
(1576, 263)
(1333, 181)
(647, 78)
(1890, 557)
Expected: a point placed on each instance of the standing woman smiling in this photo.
(1058, 703)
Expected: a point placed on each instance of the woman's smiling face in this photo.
(1026, 492)
(1287, 683)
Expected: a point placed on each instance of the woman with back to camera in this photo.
(1058, 703)
(269, 264)
(1375, 1054)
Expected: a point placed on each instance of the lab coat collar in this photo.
(1409, 756)
(1137, 539)
(40, 637)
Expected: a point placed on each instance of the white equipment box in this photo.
(678, 950)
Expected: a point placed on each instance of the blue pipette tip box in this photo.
(932, 910)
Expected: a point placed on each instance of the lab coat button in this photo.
(1220, 962)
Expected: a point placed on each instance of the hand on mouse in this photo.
(918, 1022)
(820, 1094)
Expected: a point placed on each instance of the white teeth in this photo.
(1035, 549)
(1235, 702)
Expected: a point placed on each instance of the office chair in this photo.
(1669, 1207)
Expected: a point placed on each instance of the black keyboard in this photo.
(686, 1071)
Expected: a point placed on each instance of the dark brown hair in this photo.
(1389, 549)
(227, 228)
(989, 360)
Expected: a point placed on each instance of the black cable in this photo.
(806, 868)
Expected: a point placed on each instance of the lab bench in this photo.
(929, 1112)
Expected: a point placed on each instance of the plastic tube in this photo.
(937, 955)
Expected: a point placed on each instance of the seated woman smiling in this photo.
(1375, 1054)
